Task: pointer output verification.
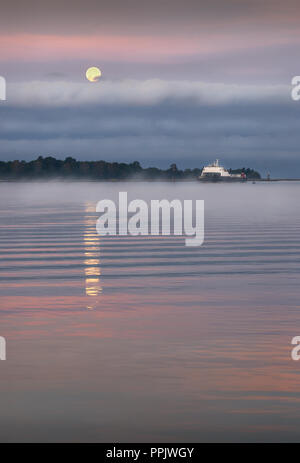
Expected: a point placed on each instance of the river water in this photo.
(140, 338)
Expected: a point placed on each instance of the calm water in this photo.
(141, 338)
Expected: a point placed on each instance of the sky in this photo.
(183, 82)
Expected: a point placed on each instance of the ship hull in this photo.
(219, 179)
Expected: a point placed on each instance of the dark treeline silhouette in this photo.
(250, 173)
(50, 168)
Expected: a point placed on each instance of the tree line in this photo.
(50, 168)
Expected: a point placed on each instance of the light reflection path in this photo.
(92, 269)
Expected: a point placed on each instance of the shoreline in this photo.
(77, 180)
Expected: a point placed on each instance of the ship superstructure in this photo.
(215, 172)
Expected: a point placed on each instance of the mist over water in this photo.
(124, 338)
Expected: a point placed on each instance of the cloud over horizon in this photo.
(154, 122)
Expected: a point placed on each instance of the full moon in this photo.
(93, 74)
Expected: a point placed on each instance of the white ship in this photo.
(214, 173)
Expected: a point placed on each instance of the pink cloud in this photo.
(131, 48)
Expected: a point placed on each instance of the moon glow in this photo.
(93, 74)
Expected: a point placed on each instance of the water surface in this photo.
(142, 338)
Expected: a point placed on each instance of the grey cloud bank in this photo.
(154, 122)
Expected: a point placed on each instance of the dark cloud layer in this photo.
(262, 134)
